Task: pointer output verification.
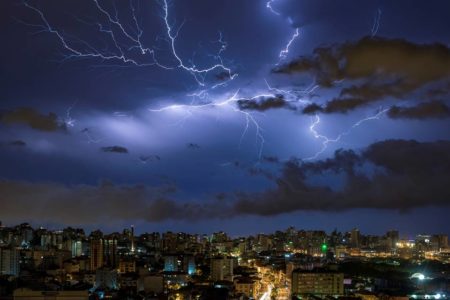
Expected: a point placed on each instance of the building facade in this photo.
(317, 283)
(9, 261)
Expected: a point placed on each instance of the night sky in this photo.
(243, 116)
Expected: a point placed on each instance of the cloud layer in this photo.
(393, 174)
(376, 68)
(426, 110)
(405, 174)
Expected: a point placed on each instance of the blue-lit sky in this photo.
(226, 115)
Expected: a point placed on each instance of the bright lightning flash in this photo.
(116, 31)
(326, 140)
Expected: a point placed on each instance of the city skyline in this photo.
(36, 263)
(136, 232)
(241, 116)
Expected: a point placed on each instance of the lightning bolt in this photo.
(376, 23)
(269, 6)
(291, 96)
(326, 140)
(119, 33)
(90, 51)
(123, 54)
(199, 74)
(294, 95)
(285, 51)
(68, 121)
(228, 102)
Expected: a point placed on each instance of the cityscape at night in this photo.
(288, 264)
(225, 149)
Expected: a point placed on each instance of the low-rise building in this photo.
(247, 286)
(317, 282)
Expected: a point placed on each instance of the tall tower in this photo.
(110, 257)
(355, 238)
(132, 239)
(96, 252)
(103, 252)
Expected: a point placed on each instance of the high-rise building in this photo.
(170, 263)
(132, 239)
(222, 268)
(317, 283)
(169, 242)
(392, 237)
(76, 248)
(219, 237)
(189, 264)
(26, 234)
(355, 238)
(57, 239)
(96, 253)
(441, 241)
(110, 256)
(180, 263)
(103, 252)
(9, 261)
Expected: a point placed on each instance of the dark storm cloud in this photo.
(340, 105)
(87, 204)
(32, 118)
(435, 93)
(343, 105)
(382, 67)
(312, 109)
(426, 110)
(408, 174)
(255, 171)
(263, 103)
(114, 149)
